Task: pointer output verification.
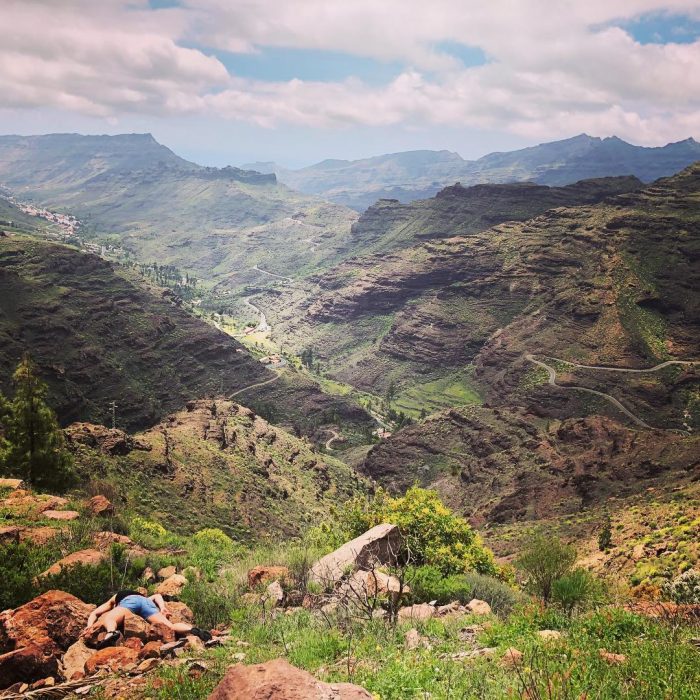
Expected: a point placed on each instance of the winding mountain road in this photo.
(335, 435)
(272, 274)
(668, 363)
(254, 386)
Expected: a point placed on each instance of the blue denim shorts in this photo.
(139, 605)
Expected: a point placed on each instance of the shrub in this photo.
(545, 560)
(209, 549)
(212, 606)
(428, 583)
(575, 590)
(432, 533)
(19, 564)
(147, 533)
(605, 535)
(684, 588)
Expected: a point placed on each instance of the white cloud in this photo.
(555, 68)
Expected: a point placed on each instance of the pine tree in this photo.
(36, 450)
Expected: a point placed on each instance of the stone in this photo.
(412, 639)
(104, 540)
(266, 574)
(136, 627)
(133, 643)
(418, 612)
(380, 545)
(375, 582)
(25, 504)
(166, 572)
(11, 484)
(87, 557)
(112, 658)
(100, 506)
(160, 632)
(478, 607)
(10, 534)
(38, 535)
(279, 680)
(61, 514)
(179, 612)
(147, 665)
(150, 650)
(148, 575)
(37, 634)
(72, 664)
(170, 648)
(172, 587)
(275, 594)
(512, 658)
(194, 643)
(549, 635)
(611, 658)
(638, 551)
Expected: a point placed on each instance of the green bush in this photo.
(19, 565)
(575, 590)
(432, 534)
(684, 588)
(209, 549)
(96, 583)
(211, 605)
(545, 559)
(148, 533)
(427, 583)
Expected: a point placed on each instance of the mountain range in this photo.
(414, 175)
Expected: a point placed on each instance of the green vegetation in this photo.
(546, 560)
(32, 446)
(456, 389)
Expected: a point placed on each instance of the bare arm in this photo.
(158, 599)
(105, 607)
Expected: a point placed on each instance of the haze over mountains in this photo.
(420, 174)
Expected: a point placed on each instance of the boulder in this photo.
(380, 545)
(87, 557)
(136, 627)
(13, 484)
(22, 503)
(172, 587)
(275, 593)
(112, 658)
(166, 572)
(38, 535)
(478, 607)
(61, 514)
(36, 635)
(179, 612)
(611, 658)
(549, 635)
(512, 658)
(104, 540)
(150, 650)
(418, 612)
(133, 643)
(279, 680)
(9, 534)
(100, 506)
(73, 661)
(266, 574)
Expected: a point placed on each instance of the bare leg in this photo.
(112, 619)
(159, 618)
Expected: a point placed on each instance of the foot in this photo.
(202, 634)
(111, 638)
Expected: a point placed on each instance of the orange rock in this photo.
(279, 680)
(172, 587)
(266, 574)
(90, 557)
(61, 514)
(512, 658)
(113, 658)
(9, 534)
(179, 612)
(38, 535)
(133, 643)
(100, 506)
(613, 659)
(151, 650)
(104, 540)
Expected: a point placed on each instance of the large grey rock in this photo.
(379, 545)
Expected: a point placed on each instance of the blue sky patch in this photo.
(468, 55)
(663, 28)
(278, 64)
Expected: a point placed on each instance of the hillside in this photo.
(608, 284)
(216, 464)
(98, 335)
(132, 192)
(420, 174)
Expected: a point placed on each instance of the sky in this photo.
(297, 81)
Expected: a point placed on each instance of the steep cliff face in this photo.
(500, 465)
(599, 284)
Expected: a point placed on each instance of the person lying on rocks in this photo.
(152, 609)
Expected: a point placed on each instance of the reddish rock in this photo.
(172, 587)
(104, 540)
(100, 506)
(26, 664)
(112, 658)
(478, 607)
(418, 612)
(179, 612)
(266, 574)
(133, 643)
(279, 680)
(13, 484)
(72, 664)
(35, 635)
(38, 535)
(88, 557)
(160, 633)
(512, 658)
(61, 514)
(137, 627)
(111, 441)
(612, 659)
(9, 534)
(151, 650)
(166, 572)
(24, 504)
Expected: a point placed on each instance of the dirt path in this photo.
(553, 382)
(668, 363)
(254, 386)
(335, 435)
(272, 274)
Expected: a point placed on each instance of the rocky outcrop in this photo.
(84, 557)
(111, 441)
(266, 574)
(380, 545)
(100, 506)
(279, 680)
(35, 636)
